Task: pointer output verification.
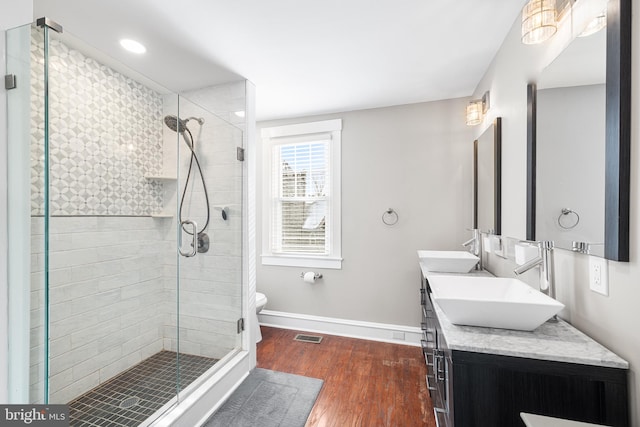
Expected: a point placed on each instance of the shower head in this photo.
(179, 125)
(175, 124)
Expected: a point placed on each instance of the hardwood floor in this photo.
(366, 383)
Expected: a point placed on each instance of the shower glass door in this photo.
(210, 263)
(124, 317)
(25, 233)
(108, 251)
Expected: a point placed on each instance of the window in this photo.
(301, 206)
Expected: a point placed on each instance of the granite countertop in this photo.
(556, 341)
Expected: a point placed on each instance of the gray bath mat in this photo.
(268, 399)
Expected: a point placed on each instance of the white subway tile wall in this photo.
(211, 282)
(109, 317)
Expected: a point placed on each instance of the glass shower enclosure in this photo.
(126, 233)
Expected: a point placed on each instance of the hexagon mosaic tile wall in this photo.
(105, 136)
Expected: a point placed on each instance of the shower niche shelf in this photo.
(165, 178)
(161, 178)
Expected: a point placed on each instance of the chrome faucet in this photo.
(545, 261)
(475, 246)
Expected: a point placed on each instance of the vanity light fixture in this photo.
(598, 23)
(476, 109)
(538, 21)
(133, 46)
(485, 102)
(474, 112)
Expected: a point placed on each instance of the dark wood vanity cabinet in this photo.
(483, 389)
(492, 390)
(438, 359)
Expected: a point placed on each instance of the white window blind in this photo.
(301, 198)
(302, 188)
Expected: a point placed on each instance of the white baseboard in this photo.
(396, 334)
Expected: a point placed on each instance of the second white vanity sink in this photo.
(448, 261)
(494, 302)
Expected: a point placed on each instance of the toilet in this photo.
(261, 301)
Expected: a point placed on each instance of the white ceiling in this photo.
(304, 56)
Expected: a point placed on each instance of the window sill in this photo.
(302, 261)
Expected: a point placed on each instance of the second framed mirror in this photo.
(487, 173)
(578, 143)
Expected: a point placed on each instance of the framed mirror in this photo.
(578, 143)
(487, 178)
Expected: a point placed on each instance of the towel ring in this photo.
(390, 217)
(565, 212)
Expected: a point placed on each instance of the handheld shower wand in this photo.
(179, 125)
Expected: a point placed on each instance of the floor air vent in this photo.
(129, 402)
(308, 338)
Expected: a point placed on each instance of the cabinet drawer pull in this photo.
(426, 351)
(437, 413)
(438, 361)
(423, 297)
(426, 359)
(429, 386)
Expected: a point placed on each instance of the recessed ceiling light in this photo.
(133, 46)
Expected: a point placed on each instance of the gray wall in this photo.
(416, 159)
(610, 320)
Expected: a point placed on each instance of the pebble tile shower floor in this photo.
(132, 396)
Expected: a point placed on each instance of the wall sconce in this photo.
(474, 112)
(538, 21)
(476, 109)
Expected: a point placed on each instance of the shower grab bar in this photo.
(194, 244)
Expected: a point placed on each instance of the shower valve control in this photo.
(203, 242)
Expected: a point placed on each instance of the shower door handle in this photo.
(194, 244)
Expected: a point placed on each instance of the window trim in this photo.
(269, 139)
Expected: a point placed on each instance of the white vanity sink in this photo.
(493, 302)
(448, 261)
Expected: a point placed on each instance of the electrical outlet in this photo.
(599, 275)
(486, 245)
